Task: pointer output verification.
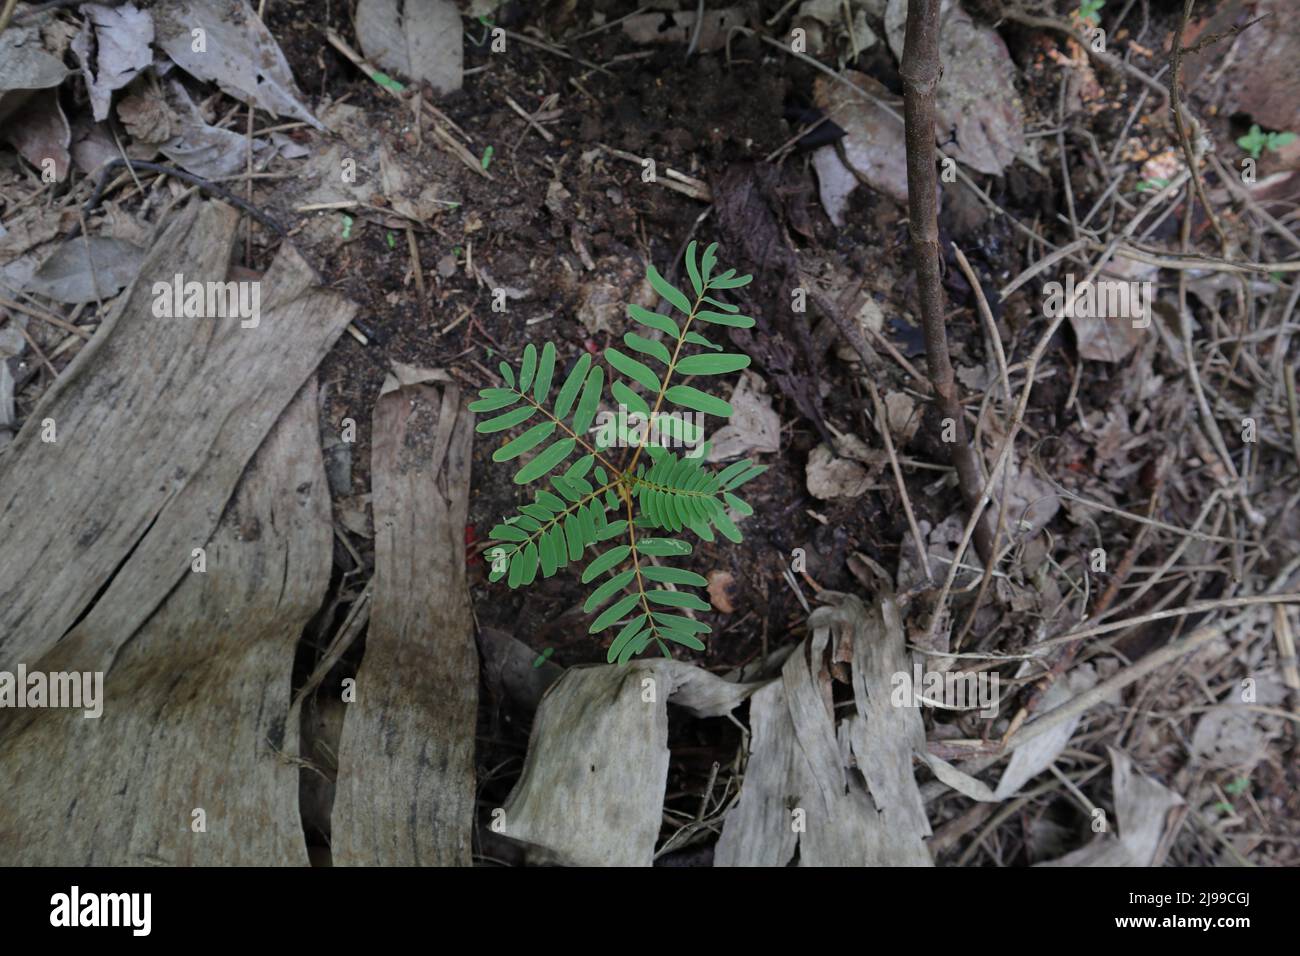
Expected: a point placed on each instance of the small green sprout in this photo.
(1090, 10)
(487, 158)
(347, 226)
(1256, 141)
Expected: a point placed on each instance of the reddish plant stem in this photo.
(920, 71)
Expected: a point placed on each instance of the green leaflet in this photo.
(586, 412)
(493, 398)
(613, 613)
(712, 364)
(674, 297)
(727, 318)
(654, 320)
(662, 547)
(694, 399)
(645, 346)
(607, 590)
(606, 561)
(545, 369)
(666, 575)
(569, 390)
(693, 270)
(525, 442)
(509, 420)
(677, 599)
(638, 372)
(528, 367)
(548, 459)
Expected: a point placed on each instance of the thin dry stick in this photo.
(882, 425)
(920, 70)
(1180, 127)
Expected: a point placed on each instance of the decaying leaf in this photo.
(829, 476)
(826, 25)
(420, 40)
(873, 142)
(87, 269)
(678, 26)
(25, 66)
(981, 120)
(1148, 817)
(233, 49)
(113, 47)
(754, 426)
(1039, 753)
(39, 131)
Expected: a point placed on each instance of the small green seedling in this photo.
(486, 161)
(1256, 141)
(1090, 10)
(1151, 185)
(636, 509)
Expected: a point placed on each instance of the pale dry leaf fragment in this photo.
(981, 120)
(87, 269)
(224, 42)
(410, 194)
(754, 426)
(722, 585)
(147, 118)
(829, 476)
(24, 66)
(835, 183)
(904, 418)
(39, 131)
(1111, 316)
(1148, 816)
(1039, 753)
(873, 139)
(1229, 737)
(825, 26)
(421, 40)
(200, 148)
(678, 26)
(113, 47)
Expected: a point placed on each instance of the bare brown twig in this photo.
(920, 71)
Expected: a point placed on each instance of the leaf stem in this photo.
(572, 434)
(672, 366)
(573, 506)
